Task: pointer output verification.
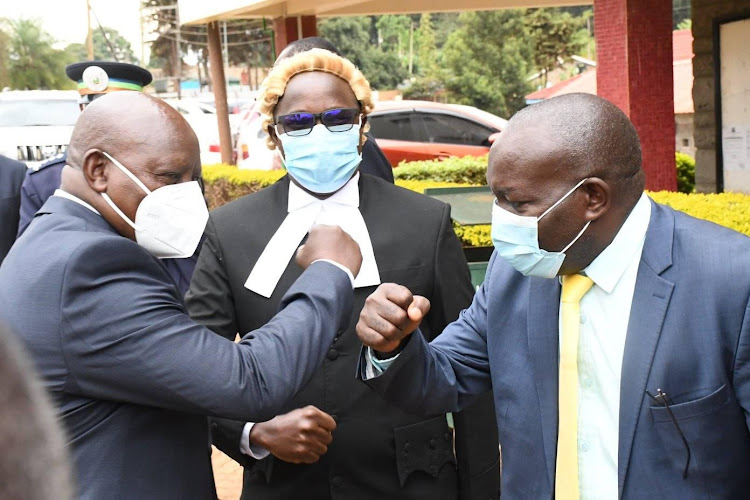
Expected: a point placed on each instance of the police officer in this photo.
(94, 79)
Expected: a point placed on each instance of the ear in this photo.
(95, 169)
(599, 197)
(275, 138)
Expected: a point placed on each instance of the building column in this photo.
(635, 72)
(288, 29)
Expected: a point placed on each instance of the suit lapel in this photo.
(649, 308)
(543, 327)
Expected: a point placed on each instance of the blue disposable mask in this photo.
(322, 161)
(516, 239)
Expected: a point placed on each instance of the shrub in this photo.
(685, 173)
(225, 183)
(466, 170)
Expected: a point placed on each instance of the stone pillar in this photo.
(634, 71)
(289, 29)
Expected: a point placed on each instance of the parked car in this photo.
(202, 118)
(36, 124)
(423, 130)
(252, 152)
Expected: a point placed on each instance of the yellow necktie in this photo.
(574, 287)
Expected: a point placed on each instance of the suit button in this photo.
(333, 354)
(433, 444)
(337, 481)
(335, 417)
(406, 448)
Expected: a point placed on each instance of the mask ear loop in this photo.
(127, 172)
(563, 198)
(576, 238)
(134, 179)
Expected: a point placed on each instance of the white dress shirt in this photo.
(304, 210)
(76, 199)
(605, 314)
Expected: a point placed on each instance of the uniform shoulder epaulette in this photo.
(51, 161)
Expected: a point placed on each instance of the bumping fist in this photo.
(390, 314)
(330, 243)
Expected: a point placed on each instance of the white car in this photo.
(252, 152)
(202, 118)
(36, 124)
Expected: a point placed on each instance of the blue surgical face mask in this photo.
(516, 239)
(322, 161)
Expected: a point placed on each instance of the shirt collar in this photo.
(68, 196)
(347, 196)
(607, 269)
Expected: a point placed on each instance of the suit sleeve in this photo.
(126, 337)
(209, 299)
(446, 374)
(31, 202)
(741, 379)
(476, 436)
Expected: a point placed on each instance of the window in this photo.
(449, 129)
(394, 126)
(41, 112)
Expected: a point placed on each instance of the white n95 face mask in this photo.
(516, 239)
(169, 221)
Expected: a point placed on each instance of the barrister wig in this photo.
(274, 86)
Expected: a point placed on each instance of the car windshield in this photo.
(38, 112)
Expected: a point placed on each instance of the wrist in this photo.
(257, 436)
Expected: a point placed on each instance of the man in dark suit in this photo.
(632, 379)
(12, 173)
(132, 376)
(376, 450)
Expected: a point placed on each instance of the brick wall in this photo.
(704, 12)
(634, 71)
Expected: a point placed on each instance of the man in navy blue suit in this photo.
(11, 176)
(613, 331)
(132, 376)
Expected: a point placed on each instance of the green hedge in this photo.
(225, 183)
(466, 170)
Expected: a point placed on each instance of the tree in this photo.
(123, 52)
(33, 62)
(4, 60)
(486, 61)
(351, 36)
(427, 48)
(554, 36)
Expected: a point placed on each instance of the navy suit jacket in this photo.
(11, 176)
(688, 334)
(132, 375)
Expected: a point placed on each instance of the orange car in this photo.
(423, 130)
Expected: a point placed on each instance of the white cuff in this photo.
(257, 452)
(343, 268)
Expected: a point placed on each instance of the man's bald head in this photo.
(591, 137)
(123, 121)
(147, 136)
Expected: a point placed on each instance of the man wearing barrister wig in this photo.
(338, 439)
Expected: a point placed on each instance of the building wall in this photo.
(684, 140)
(703, 13)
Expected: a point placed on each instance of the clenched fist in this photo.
(390, 314)
(330, 243)
(299, 437)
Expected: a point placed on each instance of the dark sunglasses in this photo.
(335, 120)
